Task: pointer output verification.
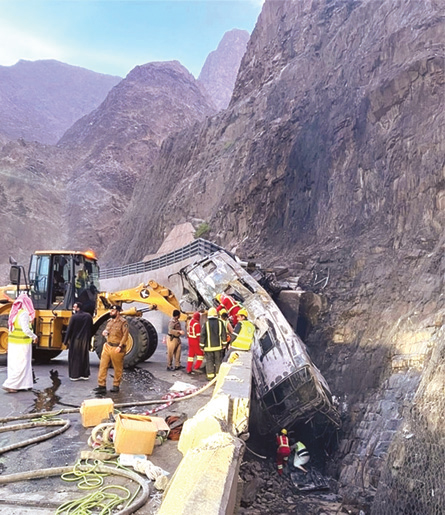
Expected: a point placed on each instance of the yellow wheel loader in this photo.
(56, 280)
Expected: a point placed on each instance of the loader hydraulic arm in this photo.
(156, 297)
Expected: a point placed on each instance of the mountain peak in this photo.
(35, 95)
(220, 69)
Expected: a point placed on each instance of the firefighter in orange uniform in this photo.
(283, 450)
(230, 305)
(193, 334)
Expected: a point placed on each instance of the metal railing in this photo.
(199, 247)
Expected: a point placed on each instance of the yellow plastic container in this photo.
(134, 434)
(95, 411)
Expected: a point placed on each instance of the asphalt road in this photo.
(53, 391)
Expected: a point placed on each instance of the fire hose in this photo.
(36, 423)
(121, 405)
(101, 469)
(72, 507)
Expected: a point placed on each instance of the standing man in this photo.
(113, 351)
(174, 341)
(213, 340)
(283, 450)
(78, 340)
(20, 338)
(194, 334)
(244, 332)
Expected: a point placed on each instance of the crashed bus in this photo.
(288, 387)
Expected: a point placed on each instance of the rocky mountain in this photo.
(40, 100)
(89, 177)
(221, 67)
(330, 160)
(118, 142)
(32, 189)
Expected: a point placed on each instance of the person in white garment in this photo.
(20, 338)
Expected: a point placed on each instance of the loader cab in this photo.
(59, 279)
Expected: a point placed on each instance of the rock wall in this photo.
(220, 69)
(73, 195)
(33, 180)
(330, 160)
(413, 475)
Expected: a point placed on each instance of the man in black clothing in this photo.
(88, 298)
(78, 340)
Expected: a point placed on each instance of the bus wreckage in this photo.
(288, 387)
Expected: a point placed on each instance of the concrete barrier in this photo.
(212, 443)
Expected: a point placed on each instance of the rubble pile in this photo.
(266, 493)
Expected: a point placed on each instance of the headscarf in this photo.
(21, 302)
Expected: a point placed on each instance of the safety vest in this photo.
(301, 450)
(244, 338)
(17, 335)
(194, 329)
(282, 441)
(217, 345)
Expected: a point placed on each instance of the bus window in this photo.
(269, 339)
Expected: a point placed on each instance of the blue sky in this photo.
(114, 36)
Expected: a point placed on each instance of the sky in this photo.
(114, 36)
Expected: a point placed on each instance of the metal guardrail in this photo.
(199, 247)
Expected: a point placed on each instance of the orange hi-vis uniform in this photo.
(232, 307)
(193, 335)
(283, 452)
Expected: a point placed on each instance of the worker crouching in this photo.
(212, 342)
(283, 450)
(227, 303)
(301, 456)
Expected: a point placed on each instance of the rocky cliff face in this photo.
(89, 177)
(32, 188)
(40, 100)
(330, 159)
(119, 141)
(220, 69)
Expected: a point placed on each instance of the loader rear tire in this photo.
(3, 339)
(138, 344)
(39, 355)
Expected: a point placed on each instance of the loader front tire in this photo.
(138, 343)
(152, 338)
